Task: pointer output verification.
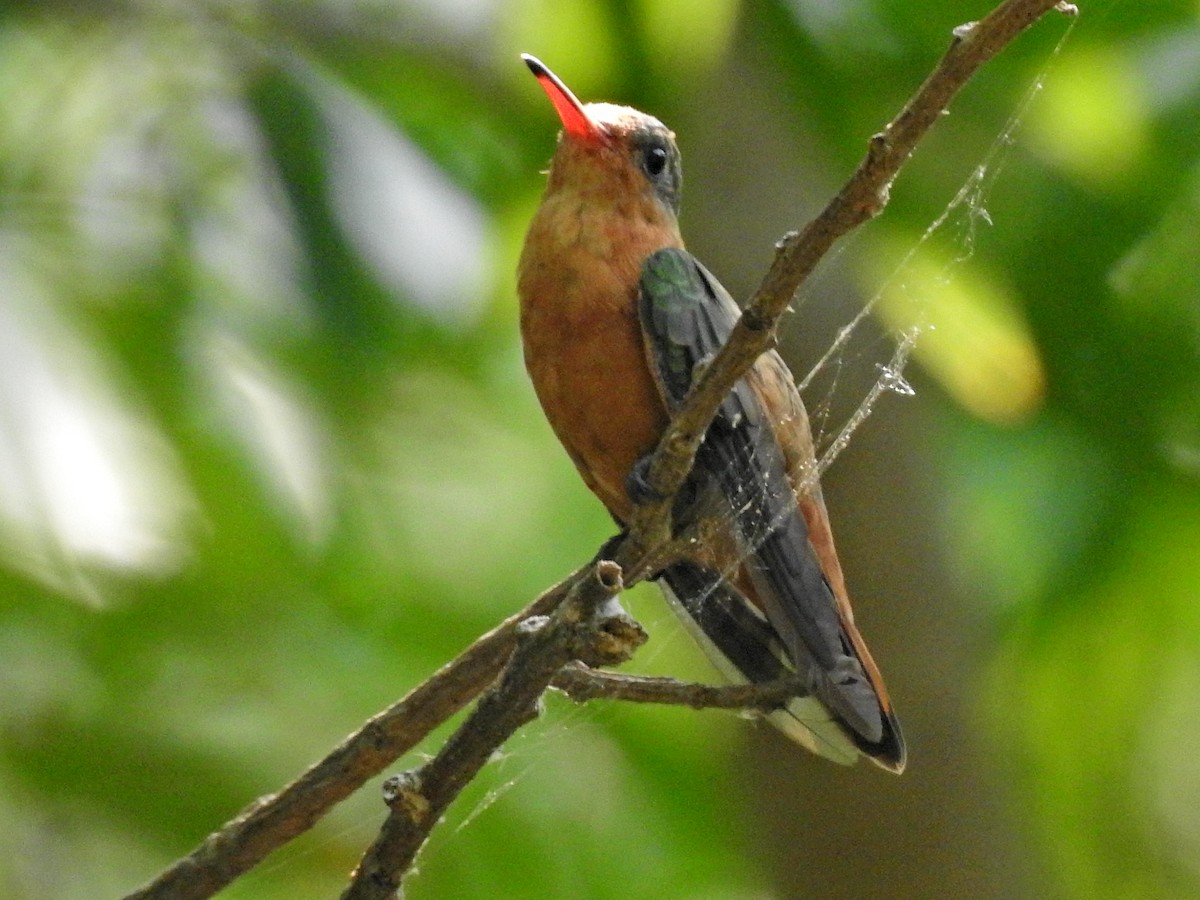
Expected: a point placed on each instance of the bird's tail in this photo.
(745, 648)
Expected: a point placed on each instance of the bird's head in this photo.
(610, 151)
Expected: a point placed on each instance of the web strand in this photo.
(960, 221)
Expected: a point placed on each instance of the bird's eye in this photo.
(656, 161)
(654, 153)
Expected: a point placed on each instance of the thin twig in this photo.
(582, 684)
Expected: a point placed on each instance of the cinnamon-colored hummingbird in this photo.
(615, 316)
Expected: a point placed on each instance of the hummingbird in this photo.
(616, 316)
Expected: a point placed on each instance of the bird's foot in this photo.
(637, 483)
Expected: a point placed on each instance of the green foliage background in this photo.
(268, 456)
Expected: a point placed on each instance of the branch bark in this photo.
(575, 630)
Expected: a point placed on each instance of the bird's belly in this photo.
(590, 374)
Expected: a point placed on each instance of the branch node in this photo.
(610, 576)
(787, 240)
(403, 794)
(531, 625)
(757, 320)
(613, 640)
(964, 31)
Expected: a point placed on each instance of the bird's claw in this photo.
(637, 483)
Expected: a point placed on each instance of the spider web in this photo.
(959, 222)
(859, 345)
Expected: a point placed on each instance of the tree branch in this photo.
(575, 630)
(271, 821)
(582, 683)
(864, 196)
(584, 626)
